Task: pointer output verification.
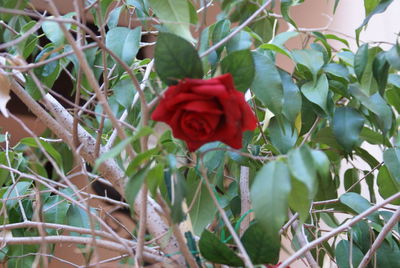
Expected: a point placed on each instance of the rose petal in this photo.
(206, 106)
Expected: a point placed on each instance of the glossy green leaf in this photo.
(313, 60)
(391, 157)
(387, 185)
(124, 91)
(377, 8)
(299, 199)
(374, 137)
(342, 253)
(203, 209)
(347, 125)
(221, 30)
(267, 83)
(377, 105)
(269, 193)
(358, 204)
(14, 191)
(361, 60)
(79, 217)
(134, 185)
(317, 92)
(53, 31)
(124, 42)
(240, 65)
(302, 167)
(212, 249)
(380, 70)
(116, 150)
(351, 177)
(31, 142)
(380, 8)
(393, 56)
(113, 17)
(261, 247)
(285, 6)
(55, 209)
(175, 59)
(175, 15)
(292, 100)
(282, 135)
(240, 41)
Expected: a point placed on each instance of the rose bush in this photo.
(201, 111)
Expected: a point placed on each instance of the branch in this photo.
(244, 198)
(57, 239)
(334, 232)
(237, 30)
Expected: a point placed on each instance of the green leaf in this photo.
(116, 150)
(267, 84)
(377, 105)
(175, 15)
(301, 164)
(203, 209)
(285, 5)
(358, 204)
(155, 177)
(313, 60)
(342, 253)
(380, 8)
(124, 91)
(31, 142)
(269, 194)
(282, 135)
(212, 249)
(380, 70)
(55, 209)
(291, 98)
(368, 83)
(124, 42)
(391, 157)
(275, 48)
(393, 56)
(388, 255)
(53, 31)
(387, 185)
(240, 41)
(317, 92)
(15, 190)
(221, 30)
(374, 137)
(78, 217)
(361, 60)
(347, 125)
(304, 179)
(351, 176)
(134, 185)
(113, 17)
(261, 247)
(240, 65)
(175, 58)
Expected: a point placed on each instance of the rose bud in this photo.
(201, 111)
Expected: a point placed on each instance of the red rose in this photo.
(201, 111)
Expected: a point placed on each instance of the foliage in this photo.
(286, 183)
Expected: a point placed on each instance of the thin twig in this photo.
(244, 198)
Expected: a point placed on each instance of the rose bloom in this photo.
(201, 111)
